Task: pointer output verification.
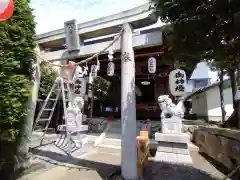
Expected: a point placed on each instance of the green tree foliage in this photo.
(48, 76)
(16, 59)
(203, 28)
(100, 89)
(181, 56)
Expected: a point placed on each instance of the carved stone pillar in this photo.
(128, 106)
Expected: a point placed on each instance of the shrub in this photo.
(100, 89)
(16, 60)
(48, 76)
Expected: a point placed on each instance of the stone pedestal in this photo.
(172, 125)
(172, 144)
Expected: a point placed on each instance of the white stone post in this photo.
(128, 106)
(24, 156)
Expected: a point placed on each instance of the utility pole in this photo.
(237, 95)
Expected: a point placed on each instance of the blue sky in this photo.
(51, 14)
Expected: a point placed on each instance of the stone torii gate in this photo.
(137, 18)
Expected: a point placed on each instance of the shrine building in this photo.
(94, 36)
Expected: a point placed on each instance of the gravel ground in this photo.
(168, 171)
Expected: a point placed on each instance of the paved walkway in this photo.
(99, 162)
(95, 165)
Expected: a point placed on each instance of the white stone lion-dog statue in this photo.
(168, 108)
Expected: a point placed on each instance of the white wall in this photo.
(189, 86)
(214, 104)
(199, 105)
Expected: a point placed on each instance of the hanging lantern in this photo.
(80, 86)
(92, 76)
(110, 69)
(111, 65)
(94, 70)
(6, 9)
(110, 51)
(110, 54)
(90, 90)
(177, 82)
(152, 65)
(237, 95)
(110, 57)
(84, 86)
(80, 81)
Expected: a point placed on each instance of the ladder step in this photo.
(52, 99)
(49, 109)
(67, 100)
(61, 89)
(40, 130)
(43, 119)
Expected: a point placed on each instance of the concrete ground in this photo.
(99, 162)
(96, 163)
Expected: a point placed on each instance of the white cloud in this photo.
(51, 15)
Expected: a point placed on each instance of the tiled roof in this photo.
(202, 71)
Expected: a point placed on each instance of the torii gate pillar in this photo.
(128, 106)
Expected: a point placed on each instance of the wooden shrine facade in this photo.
(146, 103)
(96, 35)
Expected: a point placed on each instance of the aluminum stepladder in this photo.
(42, 123)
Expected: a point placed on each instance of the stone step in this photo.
(173, 158)
(113, 142)
(174, 138)
(177, 148)
(116, 143)
(193, 147)
(107, 142)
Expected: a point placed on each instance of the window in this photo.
(200, 83)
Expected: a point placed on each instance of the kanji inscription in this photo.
(126, 57)
(77, 86)
(179, 82)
